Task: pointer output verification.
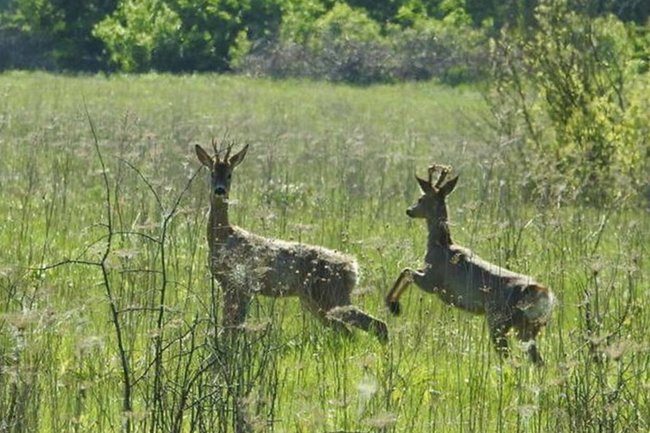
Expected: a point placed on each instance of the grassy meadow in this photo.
(109, 319)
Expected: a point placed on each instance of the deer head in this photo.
(431, 205)
(220, 169)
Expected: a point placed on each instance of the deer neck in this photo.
(219, 226)
(439, 235)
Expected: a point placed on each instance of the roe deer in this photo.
(244, 263)
(460, 278)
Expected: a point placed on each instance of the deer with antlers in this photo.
(462, 279)
(245, 264)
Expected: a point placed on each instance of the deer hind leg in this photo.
(353, 316)
(406, 277)
(324, 318)
(499, 325)
(527, 333)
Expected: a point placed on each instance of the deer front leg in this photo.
(235, 307)
(406, 277)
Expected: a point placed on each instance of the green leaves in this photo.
(137, 32)
(568, 84)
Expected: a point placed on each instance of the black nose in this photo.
(220, 190)
(409, 212)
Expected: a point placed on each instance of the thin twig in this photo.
(127, 405)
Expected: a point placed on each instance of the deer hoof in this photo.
(394, 307)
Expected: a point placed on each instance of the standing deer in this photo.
(460, 278)
(244, 263)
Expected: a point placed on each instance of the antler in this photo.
(444, 171)
(219, 149)
(214, 147)
(228, 149)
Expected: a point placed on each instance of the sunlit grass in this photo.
(329, 165)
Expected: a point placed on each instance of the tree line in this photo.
(343, 40)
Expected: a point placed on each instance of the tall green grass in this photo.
(330, 165)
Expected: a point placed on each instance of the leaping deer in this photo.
(244, 263)
(462, 279)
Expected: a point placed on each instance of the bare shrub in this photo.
(403, 55)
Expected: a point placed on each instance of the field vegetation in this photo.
(110, 321)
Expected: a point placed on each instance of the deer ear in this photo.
(236, 159)
(203, 156)
(425, 185)
(448, 187)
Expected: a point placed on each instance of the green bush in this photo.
(565, 96)
(348, 44)
(140, 34)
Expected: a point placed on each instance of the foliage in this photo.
(567, 96)
(59, 30)
(340, 44)
(217, 35)
(345, 44)
(299, 18)
(212, 30)
(348, 44)
(140, 35)
(448, 49)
